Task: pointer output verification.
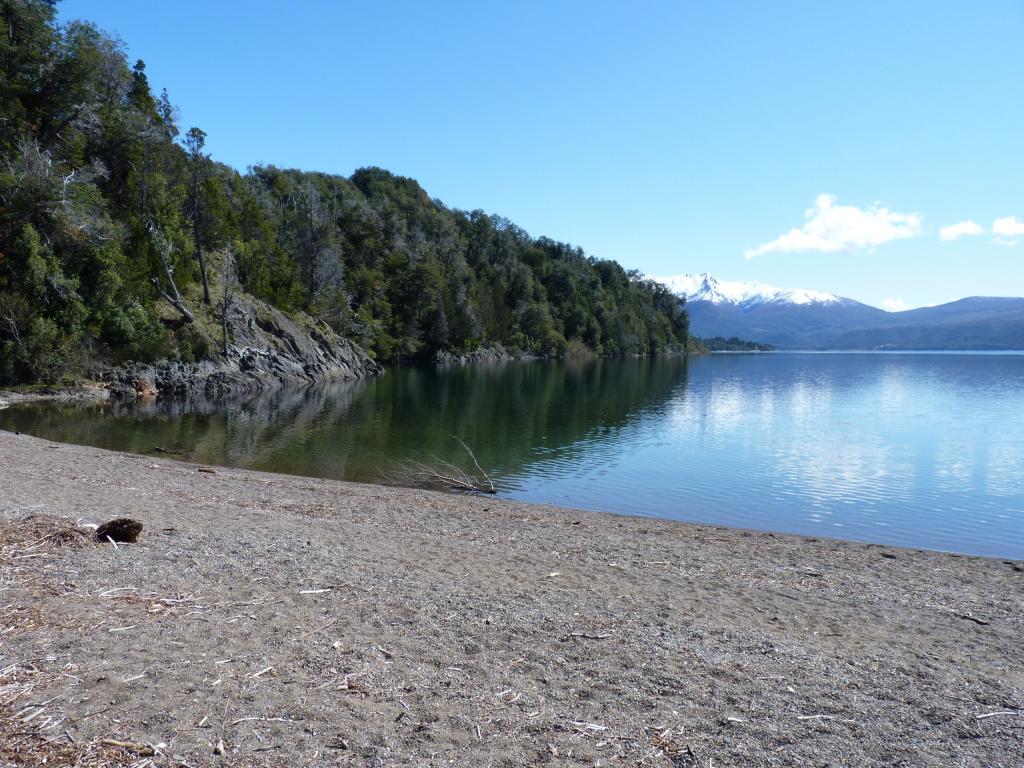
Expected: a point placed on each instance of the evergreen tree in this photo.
(195, 141)
(108, 226)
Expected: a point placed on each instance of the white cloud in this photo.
(832, 228)
(1007, 228)
(961, 229)
(894, 305)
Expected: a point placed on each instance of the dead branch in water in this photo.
(490, 484)
(446, 476)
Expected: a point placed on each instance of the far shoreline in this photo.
(87, 390)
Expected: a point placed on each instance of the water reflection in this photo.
(909, 449)
(513, 415)
(921, 450)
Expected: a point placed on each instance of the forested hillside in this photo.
(114, 226)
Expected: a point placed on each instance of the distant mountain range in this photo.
(805, 319)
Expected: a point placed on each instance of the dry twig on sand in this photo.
(1003, 713)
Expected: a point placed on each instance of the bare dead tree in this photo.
(56, 189)
(14, 314)
(163, 249)
(318, 249)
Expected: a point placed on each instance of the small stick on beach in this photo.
(132, 746)
(585, 636)
(1003, 713)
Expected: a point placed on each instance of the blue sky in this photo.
(803, 144)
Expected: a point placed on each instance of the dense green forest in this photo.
(114, 226)
(733, 344)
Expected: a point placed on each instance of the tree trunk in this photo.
(197, 236)
(202, 271)
(224, 328)
(174, 297)
(174, 301)
(228, 279)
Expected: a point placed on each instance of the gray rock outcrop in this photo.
(495, 354)
(266, 349)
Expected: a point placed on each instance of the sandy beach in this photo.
(269, 620)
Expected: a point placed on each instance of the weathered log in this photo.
(120, 529)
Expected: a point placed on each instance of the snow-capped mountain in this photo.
(797, 318)
(705, 287)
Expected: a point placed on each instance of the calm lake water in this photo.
(922, 450)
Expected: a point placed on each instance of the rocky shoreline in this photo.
(267, 620)
(494, 354)
(267, 349)
(244, 370)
